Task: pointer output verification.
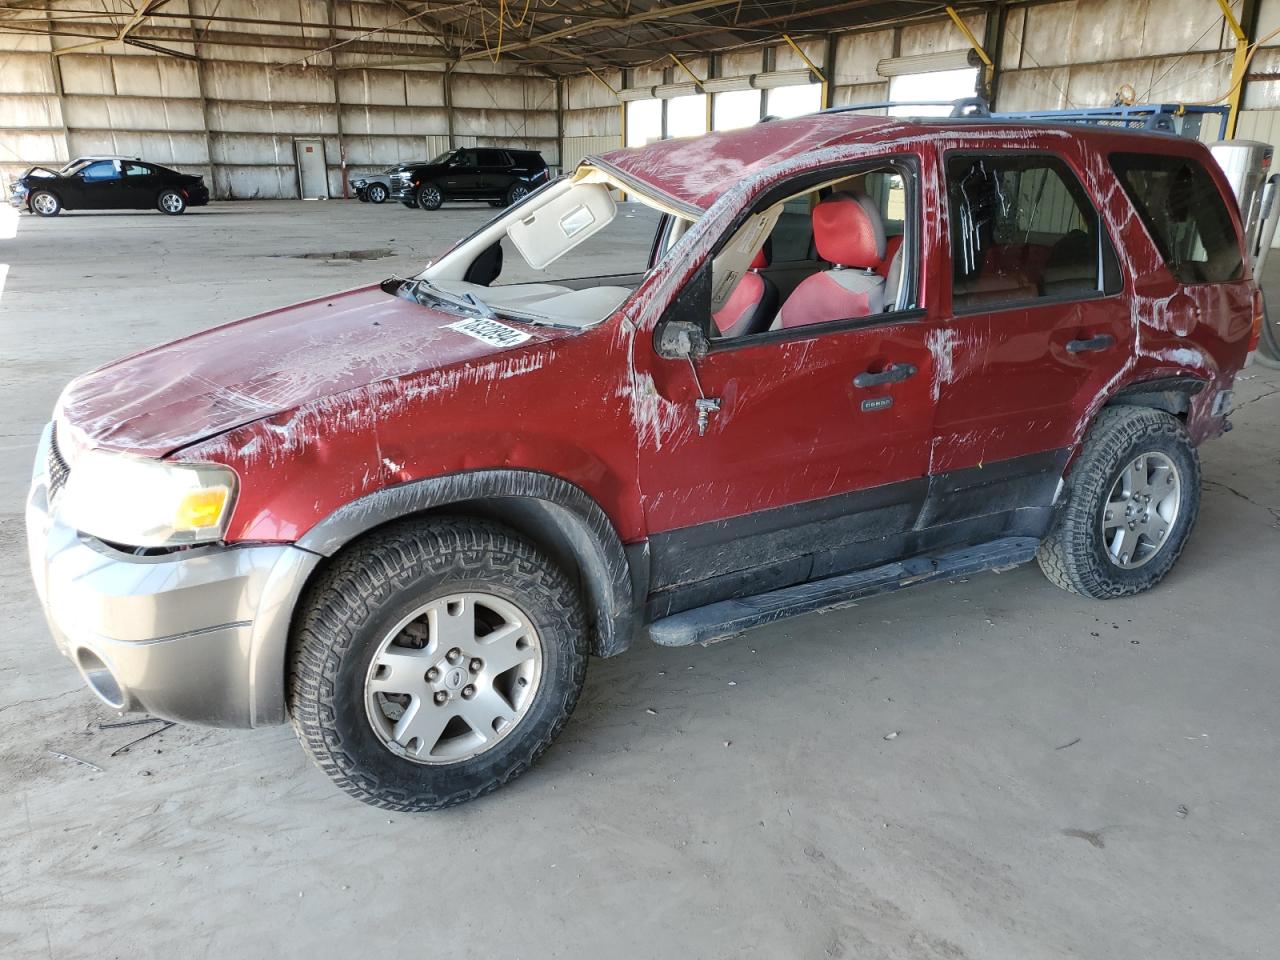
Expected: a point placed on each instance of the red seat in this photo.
(849, 234)
(891, 247)
(753, 303)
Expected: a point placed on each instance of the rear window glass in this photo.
(1184, 213)
(1022, 229)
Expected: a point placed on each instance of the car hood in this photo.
(166, 398)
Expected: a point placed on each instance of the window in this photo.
(807, 258)
(644, 122)
(464, 158)
(493, 158)
(1184, 213)
(101, 170)
(793, 101)
(687, 116)
(137, 170)
(945, 85)
(734, 109)
(1023, 228)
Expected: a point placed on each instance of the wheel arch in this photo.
(1173, 395)
(558, 516)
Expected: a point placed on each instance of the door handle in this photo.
(1101, 342)
(894, 373)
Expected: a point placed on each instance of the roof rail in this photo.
(1176, 118)
(964, 107)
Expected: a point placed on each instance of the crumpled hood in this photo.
(168, 397)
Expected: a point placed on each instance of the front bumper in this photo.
(18, 200)
(198, 636)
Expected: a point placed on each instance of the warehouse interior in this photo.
(985, 767)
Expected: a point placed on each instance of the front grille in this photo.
(56, 467)
(400, 180)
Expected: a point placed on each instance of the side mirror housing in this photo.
(680, 339)
(681, 333)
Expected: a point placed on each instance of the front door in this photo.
(1038, 327)
(814, 462)
(98, 186)
(313, 174)
(459, 181)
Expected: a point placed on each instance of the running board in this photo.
(728, 618)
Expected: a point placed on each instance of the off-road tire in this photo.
(368, 589)
(50, 210)
(1074, 554)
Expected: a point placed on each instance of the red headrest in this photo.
(763, 257)
(848, 231)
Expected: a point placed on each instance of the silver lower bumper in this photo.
(198, 636)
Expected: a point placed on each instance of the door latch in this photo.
(706, 406)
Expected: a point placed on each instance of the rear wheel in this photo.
(45, 204)
(434, 662)
(377, 193)
(430, 197)
(1132, 499)
(517, 193)
(172, 203)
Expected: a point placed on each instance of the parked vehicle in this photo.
(107, 183)
(502, 177)
(860, 354)
(376, 187)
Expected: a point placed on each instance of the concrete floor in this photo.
(1069, 779)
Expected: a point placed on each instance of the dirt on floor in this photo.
(983, 768)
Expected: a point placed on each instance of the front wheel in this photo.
(430, 197)
(172, 203)
(377, 193)
(1131, 501)
(45, 204)
(435, 661)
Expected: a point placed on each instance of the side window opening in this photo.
(101, 170)
(1184, 213)
(1023, 229)
(829, 253)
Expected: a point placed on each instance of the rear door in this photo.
(1038, 328)
(493, 173)
(141, 185)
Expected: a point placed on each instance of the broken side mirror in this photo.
(678, 339)
(681, 333)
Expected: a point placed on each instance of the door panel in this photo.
(1036, 336)
(783, 480)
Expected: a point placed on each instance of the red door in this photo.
(1039, 327)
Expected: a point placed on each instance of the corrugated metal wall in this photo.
(233, 115)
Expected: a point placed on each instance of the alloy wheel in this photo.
(1141, 510)
(44, 203)
(171, 203)
(453, 678)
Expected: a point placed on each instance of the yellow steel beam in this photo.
(1239, 63)
(988, 65)
(817, 71)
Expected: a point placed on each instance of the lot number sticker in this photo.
(490, 331)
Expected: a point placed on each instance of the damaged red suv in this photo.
(853, 354)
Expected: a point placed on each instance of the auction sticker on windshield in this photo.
(490, 331)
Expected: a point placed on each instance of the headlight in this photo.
(147, 503)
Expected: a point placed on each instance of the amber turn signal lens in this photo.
(201, 509)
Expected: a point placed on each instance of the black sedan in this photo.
(107, 183)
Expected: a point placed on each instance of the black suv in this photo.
(474, 173)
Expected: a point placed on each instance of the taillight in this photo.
(1259, 315)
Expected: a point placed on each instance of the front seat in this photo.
(849, 234)
(754, 301)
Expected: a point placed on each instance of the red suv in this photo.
(852, 354)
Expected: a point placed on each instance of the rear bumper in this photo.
(198, 636)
